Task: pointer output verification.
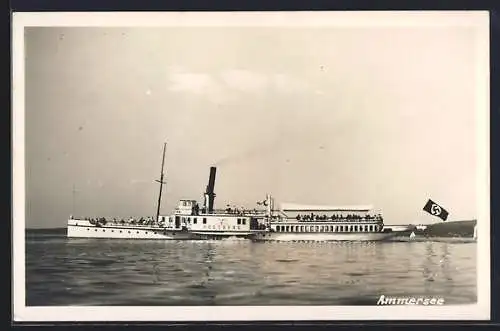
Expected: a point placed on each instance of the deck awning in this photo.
(293, 207)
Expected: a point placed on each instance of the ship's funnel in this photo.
(210, 190)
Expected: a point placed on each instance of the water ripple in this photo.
(121, 272)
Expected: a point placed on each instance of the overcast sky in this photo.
(382, 116)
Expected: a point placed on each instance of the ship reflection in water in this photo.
(62, 271)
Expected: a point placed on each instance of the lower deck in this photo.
(299, 227)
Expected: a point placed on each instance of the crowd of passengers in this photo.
(351, 217)
(103, 221)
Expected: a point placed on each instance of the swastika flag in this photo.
(434, 209)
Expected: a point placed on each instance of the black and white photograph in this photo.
(251, 166)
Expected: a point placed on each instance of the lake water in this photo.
(64, 272)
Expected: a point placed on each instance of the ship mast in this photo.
(161, 184)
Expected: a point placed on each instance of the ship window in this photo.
(317, 228)
(88, 229)
(239, 221)
(287, 228)
(112, 230)
(137, 231)
(204, 220)
(96, 230)
(121, 231)
(129, 232)
(243, 221)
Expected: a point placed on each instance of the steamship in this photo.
(291, 222)
(188, 221)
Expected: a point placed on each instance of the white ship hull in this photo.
(225, 234)
(307, 236)
(83, 229)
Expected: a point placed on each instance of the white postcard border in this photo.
(479, 311)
